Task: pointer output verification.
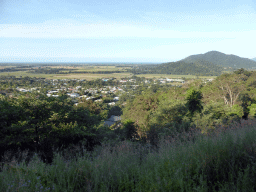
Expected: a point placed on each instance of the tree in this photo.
(246, 102)
(230, 86)
(194, 102)
(130, 130)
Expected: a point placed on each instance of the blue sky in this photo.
(124, 31)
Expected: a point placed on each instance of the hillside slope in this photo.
(199, 67)
(222, 59)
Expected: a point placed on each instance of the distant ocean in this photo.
(83, 61)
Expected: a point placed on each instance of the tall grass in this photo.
(220, 161)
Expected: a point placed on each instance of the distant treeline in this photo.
(199, 67)
(69, 71)
(12, 69)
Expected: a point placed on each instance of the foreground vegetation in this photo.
(221, 161)
(49, 142)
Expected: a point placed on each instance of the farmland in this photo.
(88, 72)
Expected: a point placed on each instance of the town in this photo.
(79, 91)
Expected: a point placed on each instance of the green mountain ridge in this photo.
(211, 63)
(198, 67)
(223, 60)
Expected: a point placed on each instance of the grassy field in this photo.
(101, 68)
(96, 76)
(25, 73)
(175, 76)
(86, 76)
(91, 76)
(224, 160)
(96, 68)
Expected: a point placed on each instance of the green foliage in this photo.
(218, 162)
(199, 67)
(252, 112)
(140, 109)
(130, 129)
(115, 110)
(236, 110)
(221, 59)
(28, 121)
(194, 101)
(169, 111)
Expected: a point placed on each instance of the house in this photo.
(112, 120)
(22, 90)
(112, 103)
(74, 95)
(54, 91)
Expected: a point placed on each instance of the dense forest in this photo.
(221, 59)
(200, 67)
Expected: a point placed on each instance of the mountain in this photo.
(223, 60)
(254, 59)
(199, 67)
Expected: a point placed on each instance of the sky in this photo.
(154, 31)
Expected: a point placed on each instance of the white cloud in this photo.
(69, 28)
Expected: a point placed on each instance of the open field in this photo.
(94, 68)
(81, 69)
(92, 76)
(86, 76)
(90, 68)
(5, 66)
(25, 73)
(174, 76)
(98, 68)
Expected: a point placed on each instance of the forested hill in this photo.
(198, 67)
(222, 59)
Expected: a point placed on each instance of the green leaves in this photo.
(130, 129)
(194, 103)
(44, 123)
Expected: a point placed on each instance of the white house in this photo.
(74, 95)
(112, 103)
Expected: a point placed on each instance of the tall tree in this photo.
(231, 86)
(194, 101)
